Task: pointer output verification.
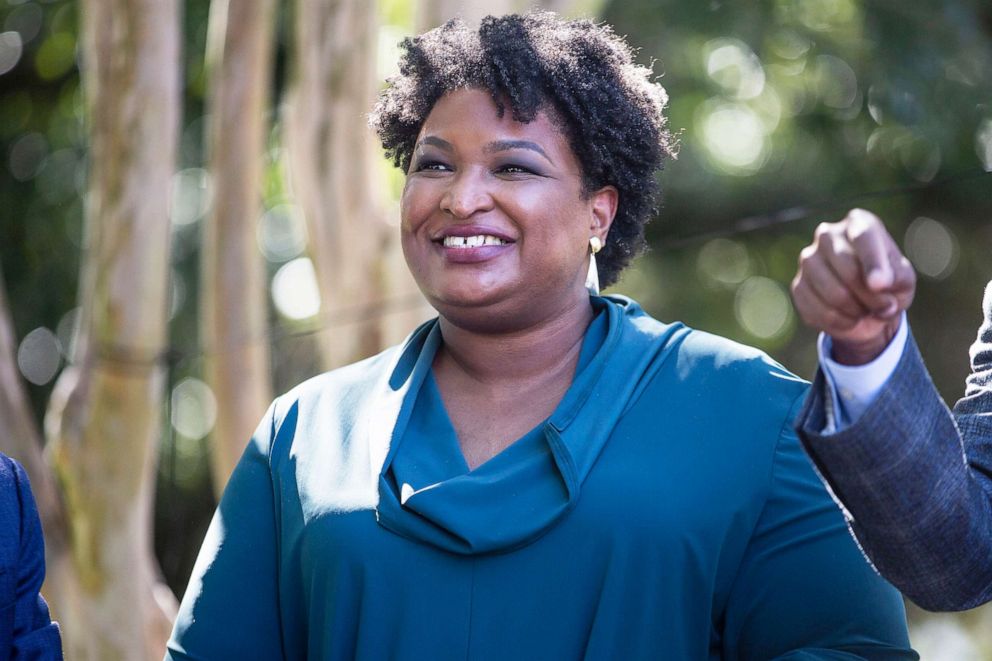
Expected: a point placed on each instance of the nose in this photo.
(466, 195)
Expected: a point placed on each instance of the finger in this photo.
(872, 245)
(829, 289)
(904, 286)
(816, 313)
(904, 275)
(841, 256)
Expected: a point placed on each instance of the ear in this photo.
(602, 209)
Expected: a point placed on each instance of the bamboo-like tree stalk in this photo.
(431, 13)
(233, 313)
(336, 179)
(104, 415)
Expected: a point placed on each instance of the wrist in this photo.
(853, 352)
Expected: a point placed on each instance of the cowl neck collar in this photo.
(519, 494)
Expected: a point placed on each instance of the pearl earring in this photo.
(592, 277)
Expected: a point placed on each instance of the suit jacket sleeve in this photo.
(32, 634)
(914, 478)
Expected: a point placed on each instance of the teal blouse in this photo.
(664, 510)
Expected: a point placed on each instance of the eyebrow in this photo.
(506, 145)
(437, 142)
(491, 148)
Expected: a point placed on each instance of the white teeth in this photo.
(472, 241)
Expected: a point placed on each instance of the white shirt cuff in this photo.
(854, 387)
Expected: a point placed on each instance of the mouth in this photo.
(465, 244)
(474, 241)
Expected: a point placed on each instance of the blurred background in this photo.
(787, 112)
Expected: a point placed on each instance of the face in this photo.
(494, 218)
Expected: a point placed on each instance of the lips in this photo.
(465, 244)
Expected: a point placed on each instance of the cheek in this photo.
(415, 206)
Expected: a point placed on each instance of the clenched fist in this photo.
(853, 284)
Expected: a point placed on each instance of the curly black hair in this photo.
(610, 109)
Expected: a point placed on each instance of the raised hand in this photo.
(853, 284)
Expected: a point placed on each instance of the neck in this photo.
(540, 350)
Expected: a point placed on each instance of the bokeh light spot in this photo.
(39, 356)
(56, 56)
(789, 44)
(835, 81)
(26, 156)
(932, 248)
(191, 196)
(983, 143)
(194, 408)
(66, 331)
(734, 137)
(282, 233)
(11, 49)
(762, 308)
(294, 289)
(26, 20)
(58, 175)
(723, 262)
(735, 67)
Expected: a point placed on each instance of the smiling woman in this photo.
(538, 473)
(495, 218)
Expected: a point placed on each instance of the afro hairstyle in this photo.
(609, 108)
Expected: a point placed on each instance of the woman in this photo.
(538, 473)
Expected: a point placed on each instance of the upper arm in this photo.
(803, 589)
(230, 609)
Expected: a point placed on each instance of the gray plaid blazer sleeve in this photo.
(915, 479)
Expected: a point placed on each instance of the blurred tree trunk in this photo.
(431, 13)
(105, 412)
(337, 179)
(234, 302)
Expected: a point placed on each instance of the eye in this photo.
(514, 169)
(431, 166)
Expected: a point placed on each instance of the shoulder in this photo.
(706, 354)
(8, 472)
(338, 387)
(13, 485)
(15, 497)
(701, 363)
(702, 356)
(728, 388)
(328, 408)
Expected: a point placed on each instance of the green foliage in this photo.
(43, 169)
(806, 106)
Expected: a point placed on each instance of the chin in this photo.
(462, 299)
(489, 310)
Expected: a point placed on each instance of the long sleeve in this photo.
(230, 609)
(854, 387)
(914, 478)
(804, 591)
(35, 636)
